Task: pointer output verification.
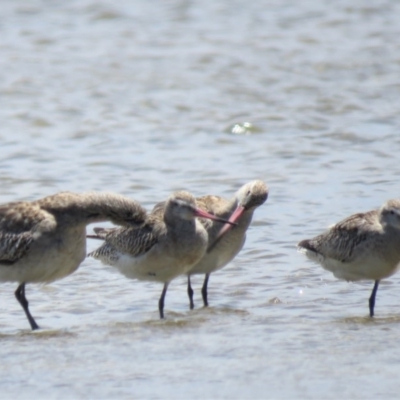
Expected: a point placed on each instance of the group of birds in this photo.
(45, 240)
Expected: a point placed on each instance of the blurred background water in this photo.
(143, 98)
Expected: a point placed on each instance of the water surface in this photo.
(146, 98)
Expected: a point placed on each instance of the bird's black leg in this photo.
(161, 301)
(20, 295)
(204, 290)
(190, 293)
(372, 299)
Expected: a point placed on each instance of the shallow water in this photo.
(143, 99)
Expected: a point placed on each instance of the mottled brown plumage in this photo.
(362, 246)
(132, 242)
(44, 240)
(225, 243)
(169, 243)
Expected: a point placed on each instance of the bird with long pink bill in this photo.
(225, 242)
(168, 245)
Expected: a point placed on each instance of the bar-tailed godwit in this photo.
(169, 243)
(226, 242)
(45, 240)
(364, 246)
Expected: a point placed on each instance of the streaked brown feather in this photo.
(341, 240)
(130, 241)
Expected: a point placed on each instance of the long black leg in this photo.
(204, 290)
(20, 295)
(190, 293)
(161, 301)
(372, 299)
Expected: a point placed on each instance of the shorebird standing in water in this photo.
(45, 240)
(226, 242)
(364, 246)
(168, 245)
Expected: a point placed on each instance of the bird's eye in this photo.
(248, 193)
(391, 212)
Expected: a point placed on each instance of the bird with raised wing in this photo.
(45, 240)
(364, 246)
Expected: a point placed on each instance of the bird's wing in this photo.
(342, 240)
(14, 246)
(20, 224)
(210, 203)
(130, 241)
